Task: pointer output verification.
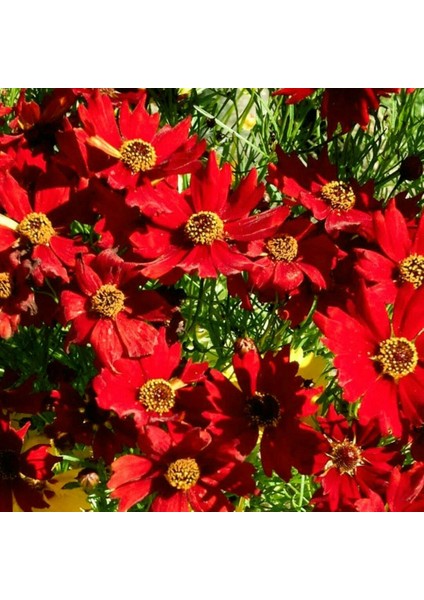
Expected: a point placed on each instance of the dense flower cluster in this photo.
(104, 212)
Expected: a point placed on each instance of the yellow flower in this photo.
(249, 122)
(311, 367)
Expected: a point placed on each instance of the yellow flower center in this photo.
(338, 195)
(183, 473)
(37, 228)
(263, 410)
(108, 301)
(138, 155)
(157, 396)
(346, 457)
(411, 270)
(397, 357)
(282, 249)
(204, 228)
(5, 286)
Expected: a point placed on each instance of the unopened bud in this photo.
(411, 168)
(88, 479)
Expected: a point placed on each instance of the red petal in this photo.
(13, 198)
(105, 341)
(177, 502)
(137, 336)
(209, 186)
(169, 139)
(127, 469)
(131, 493)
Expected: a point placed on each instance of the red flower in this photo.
(185, 470)
(379, 360)
(15, 297)
(270, 400)
(116, 95)
(294, 95)
(405, 493)
(403, 259)
(109, 311)
(347, 106)
(35, 125)
(34, 225)
(200, 229)
(151, 388)
(20, 472)
(297, 249)
(135, 150)
(350, 464)
(78, 420)
(343, 206)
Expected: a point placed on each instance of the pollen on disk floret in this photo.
(204, 228)
(138, 155)
(37, 228)
(108, 301)
(5, 286)
(339, 195)
(411, 270)
(397, 357)
(157, 395)
(283, 248)
(183, 473)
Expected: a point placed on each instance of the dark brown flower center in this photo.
(339, 195)
(108, 301)
(157, 395)
(9, 464)
(346, 456)
(138, 155)
(37, 228)
(183, 473)
(283, 248)
(411, 270)
(263, 410)
(5, 286)
(204, 228)
(397, 357)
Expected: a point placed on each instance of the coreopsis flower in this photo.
(36, 225)
(294, 95)
(269, 400)
(342, 205)
(151, 388)
(349, 463)
(186, 470)
(405, 493)
(201, 229)
(347, 106)
(380, 360)
(16, 297)
(298, 249)
(116, 95)
(108, 310)
(35, 124)
(401, 259)
(133, 149)
(79, 420)
(21, 471)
